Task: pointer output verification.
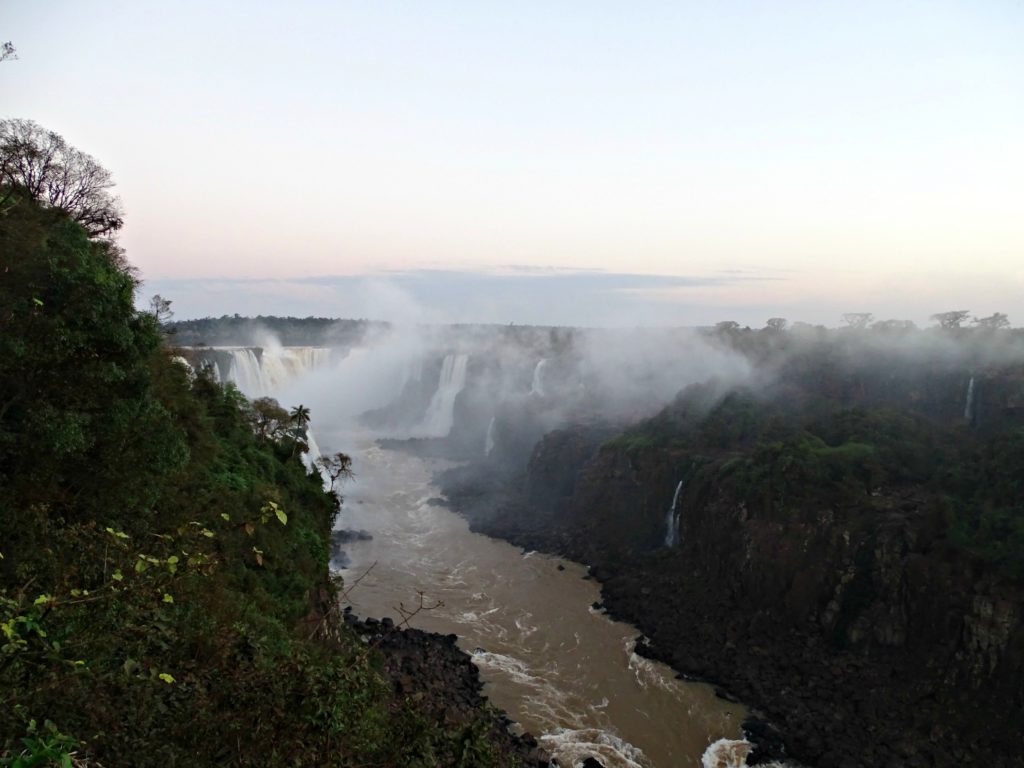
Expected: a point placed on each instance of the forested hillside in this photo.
(164, 590)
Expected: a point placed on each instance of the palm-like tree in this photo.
(300, 416)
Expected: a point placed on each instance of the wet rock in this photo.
(345, 536)
(432, 669)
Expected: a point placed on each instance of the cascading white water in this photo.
(672, 519)
(245, 372)
(312, 454)
(440, 415)
(489, 440)
(969, 405)
(537, 386)
(273, 369)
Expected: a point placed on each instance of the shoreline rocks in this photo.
(433, 669)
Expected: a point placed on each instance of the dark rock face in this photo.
(431, 668)
(861, 633)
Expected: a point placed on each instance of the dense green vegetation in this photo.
(807, 452)
(164, 592)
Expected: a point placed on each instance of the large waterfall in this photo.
(969, 405)
(537, 386)
(267, 373)
(672, 519)
(440, 415)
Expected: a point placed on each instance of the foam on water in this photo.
(572, 746)
(732, 753)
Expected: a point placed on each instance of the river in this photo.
(565, 672)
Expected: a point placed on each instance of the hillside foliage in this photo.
(164, 590)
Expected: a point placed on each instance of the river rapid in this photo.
(565, 672)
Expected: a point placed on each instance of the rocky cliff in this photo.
(824, 570)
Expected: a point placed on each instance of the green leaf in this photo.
(225, 516)
(168, 598)
(117, 575)
(281, 516)
(42, 600)
(166, 678)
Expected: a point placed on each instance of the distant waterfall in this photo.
(265, 375)
(440, 415)
(489, 440)
(672, 519)
(969, 405)
(537, 386)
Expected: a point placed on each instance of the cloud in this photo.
(510, 294)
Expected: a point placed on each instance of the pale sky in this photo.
(676, 162)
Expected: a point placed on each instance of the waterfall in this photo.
(537, 386)
(489, 440)
(311, 455)
(267, 374)
(969, 405)
(245, 372)
(672, 519)
(440, 415)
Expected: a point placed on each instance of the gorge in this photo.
(821, 503)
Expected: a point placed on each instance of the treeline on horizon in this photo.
(165, 596)
(234, 330)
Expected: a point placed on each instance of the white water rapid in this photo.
(438, 420)
(672, 519)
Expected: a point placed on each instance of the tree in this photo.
(893, 326)
(337, 467)
(268, 418)
(161, 309)
(727, 326)
(858, 320)
(993, 322)
(39, 163)
(300, 416)
(951, 320)
(776, 324)
(7, 51)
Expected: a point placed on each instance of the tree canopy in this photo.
(42, 165)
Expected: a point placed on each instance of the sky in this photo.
(588, 163)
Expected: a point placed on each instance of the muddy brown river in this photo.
(566, 673)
